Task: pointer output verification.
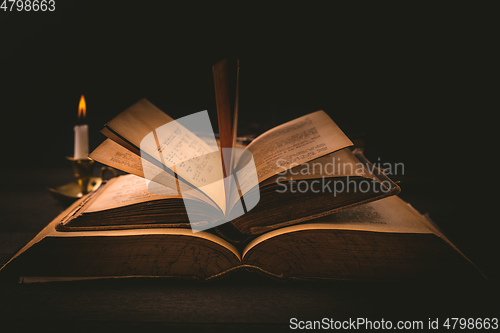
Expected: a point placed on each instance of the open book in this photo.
(382, 240)
(300, 170)
(304, 170)
(300, 204)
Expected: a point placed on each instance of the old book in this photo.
(382, 240)
(301, 205)
(304, 167)
(300, 170)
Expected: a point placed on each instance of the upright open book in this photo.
(301, 205)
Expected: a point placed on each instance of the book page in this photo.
(112, 154)
(149, 231)
(186, 144)
(133, 124)
(127, 190)
(390, 214)
(342, 163)
(196, 160)
(296, 142)
(123, 191)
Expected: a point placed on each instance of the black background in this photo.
(413, 82)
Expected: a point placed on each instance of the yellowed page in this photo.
(341, 163)
(385, 215)
(167, 141)
(193, 159)
(116, 156)
(128, 190)
(137, 121)
(50, 231)
(296, 142)
(123, 191)
(148, 231)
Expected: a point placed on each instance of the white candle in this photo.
(81, 142)
(81, 133)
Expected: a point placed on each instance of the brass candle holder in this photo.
(84, 181)
(82, 170)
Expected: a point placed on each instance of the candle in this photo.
(81, 133)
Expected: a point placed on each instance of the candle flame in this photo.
(82, 108)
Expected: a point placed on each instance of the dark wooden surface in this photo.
(238, 302)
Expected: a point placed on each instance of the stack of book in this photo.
(306, 205)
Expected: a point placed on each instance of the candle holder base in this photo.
(84, 181)
(69, 193)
